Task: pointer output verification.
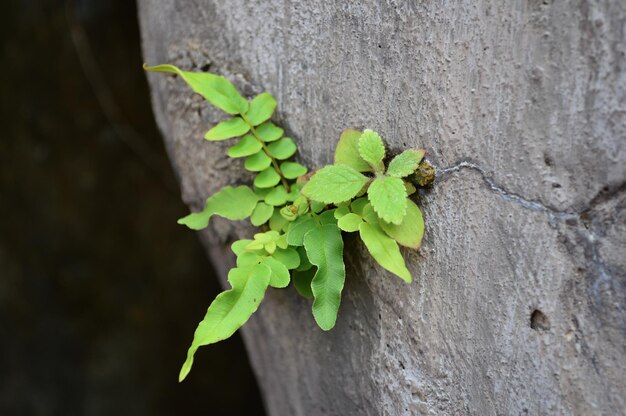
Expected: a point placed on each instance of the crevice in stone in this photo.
(533, 205)
(564, 215)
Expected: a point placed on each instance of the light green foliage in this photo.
(292, 170)
(269, 132)
(410, 231)
(267, 178)
(405, 163)
(301, 215)
(261, 214)
(372, 150)
(350, 222)
(347, 151)
(230, 309)
(324, 247)
(257, 162)
(228, 129)
(334, 184)
(215, 89)
(388, 197)
(384, 250)
(231, 203)
(282, 149)
(247, 146)
(260, 109)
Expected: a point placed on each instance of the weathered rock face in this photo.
(519, 301)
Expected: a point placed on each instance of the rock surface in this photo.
(518, 305)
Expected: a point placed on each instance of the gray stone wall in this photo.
(518, 306)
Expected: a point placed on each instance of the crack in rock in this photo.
(552, 213)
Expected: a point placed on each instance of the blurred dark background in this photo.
(100, 289)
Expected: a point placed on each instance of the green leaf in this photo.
(267, 179)
(357, 205)
(334, 184)
(239, 246)
(350, 222)
(269, 132)
(347, 151)
(305, 264)
(277, 196)
(248, 145)
(292, 170)
(410, 231)
(298, 229)
(388, 197)
(277, 221)
(287, 256)
(302, 282)
(324, 248)
(384, 250)
(257, 162)
(282, 149)
(230, 309)
(261, 108)
(280, 275)
(214, 88)
(249, 258)
(231, 203)
(341, 211)
(261, 214)
(372, 150)
(327, 217)
(405, 163)
(228, 129)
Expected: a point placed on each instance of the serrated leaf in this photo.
(214, 88)
(228, 129)
(231, 203)
(248, 145)
(384, 250)
(257, 162)
(349, 222)
(302, 281)
(388, 198)
(261, 214)
(292, 170)
(269, 132)
(280, 275)
(261, 108)
(287, 256)
(405, 163)
(267, 178)
(347, 151)
(299, 228)
(334, 184)
(277, 196)
(324, 247)
(230, 309)
(372, 150)
(409, 233)
(282, 149)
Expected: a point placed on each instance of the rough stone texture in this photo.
(518, 306)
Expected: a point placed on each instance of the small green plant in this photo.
(301, 215)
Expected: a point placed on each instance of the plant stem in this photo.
(274, 161)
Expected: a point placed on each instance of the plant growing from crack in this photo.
(301, 215)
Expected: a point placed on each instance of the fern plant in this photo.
(301, 215)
